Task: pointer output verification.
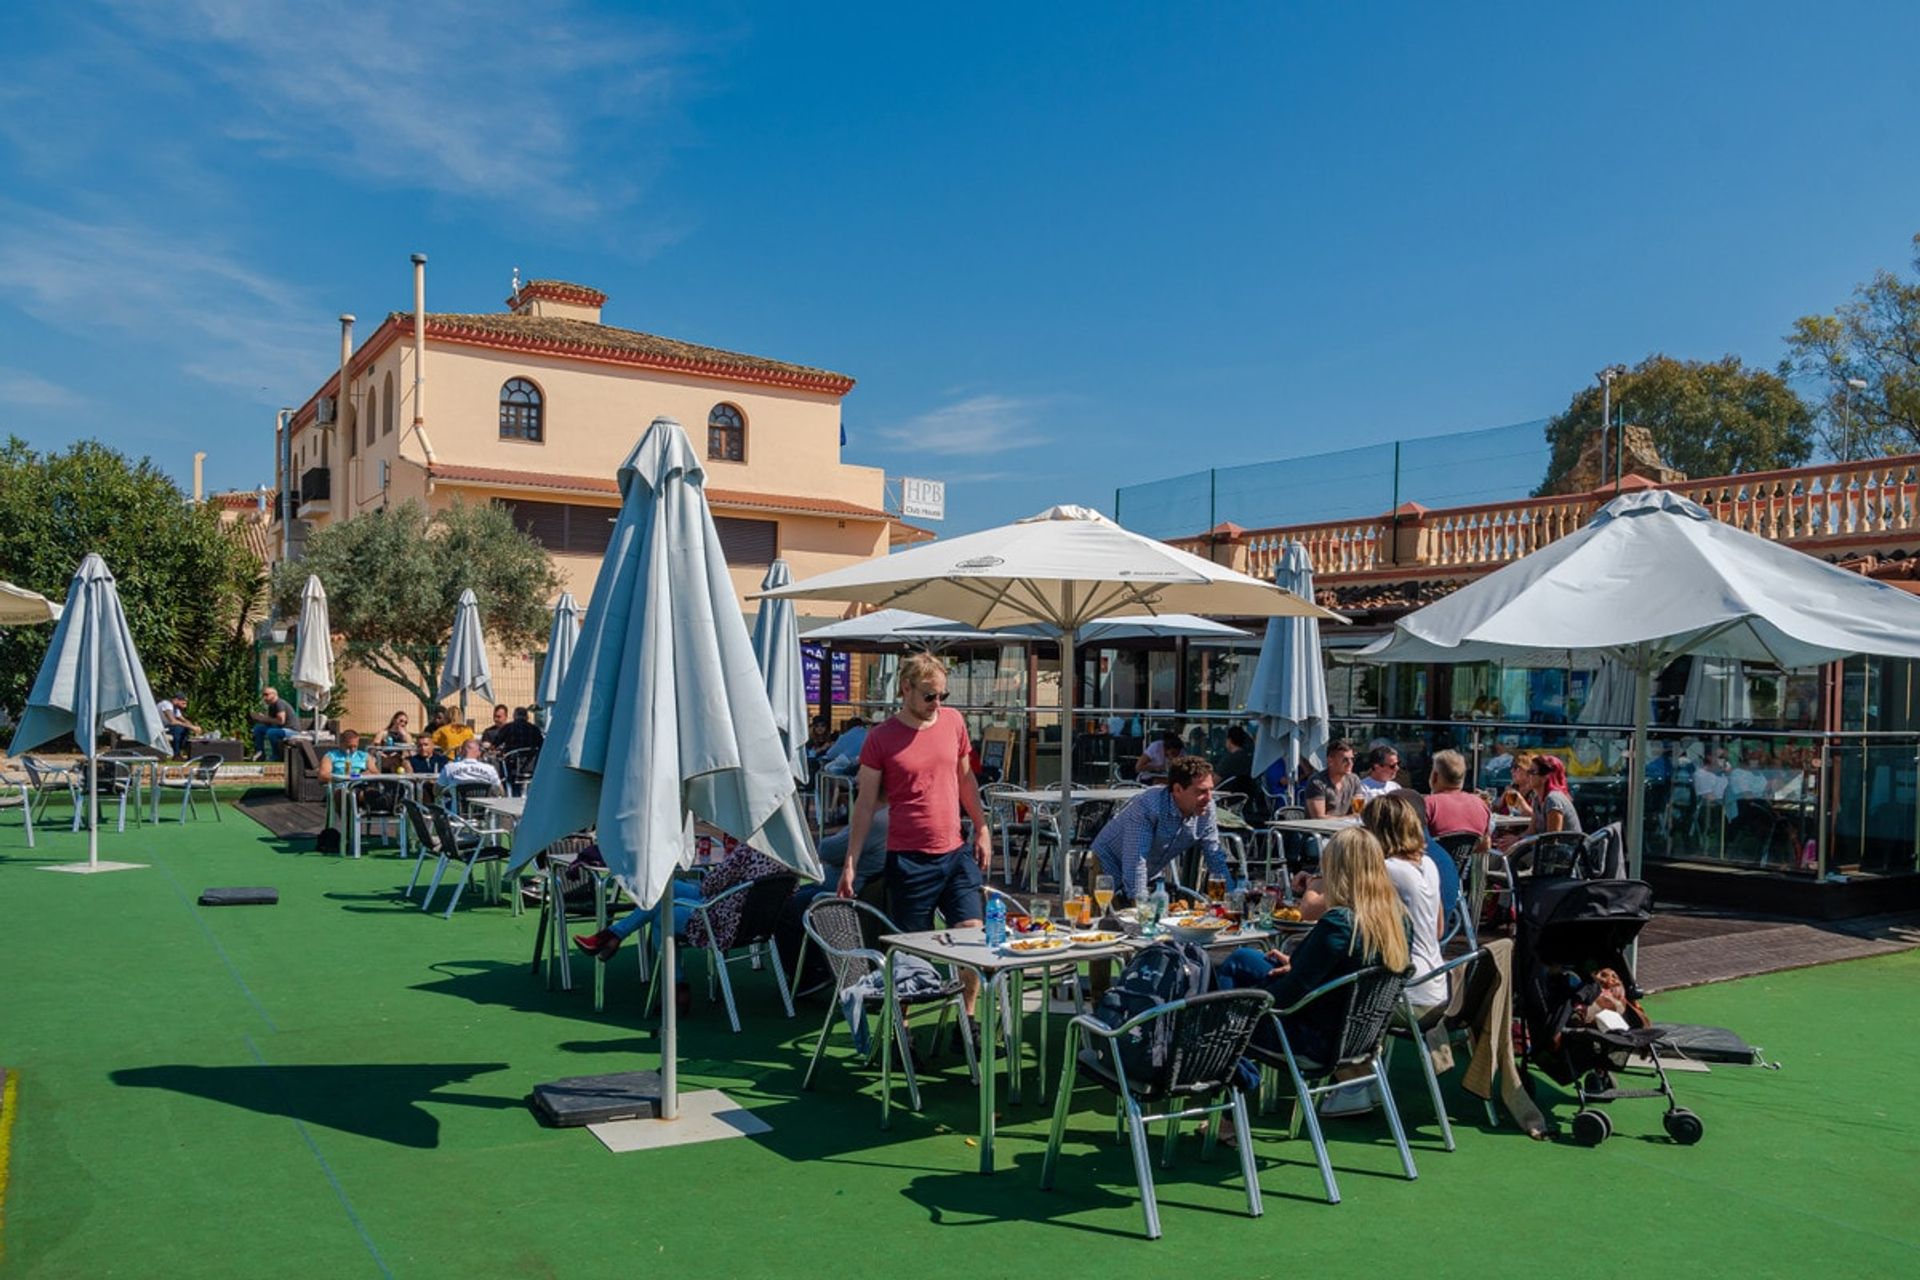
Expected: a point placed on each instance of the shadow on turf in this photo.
(374, 1100)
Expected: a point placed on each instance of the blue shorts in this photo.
(918, 884)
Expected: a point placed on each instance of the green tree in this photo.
(1707, 418)
(188, 585)
(1873, 340)
(394, 577)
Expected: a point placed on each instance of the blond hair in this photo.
(1397, 823)
(1354, 869)
(1450, 767)
(919, 666)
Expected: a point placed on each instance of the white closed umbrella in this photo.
(313, 657)
(560, 642)
(1065, 567)
(20, 607)
(663, 717)
(91, 682)
(1610, 696)
(776, 650)
(1288, 695)
(1654, 576)
(1716, 693)
(465, 669)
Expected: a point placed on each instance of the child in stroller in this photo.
(1578, 1002)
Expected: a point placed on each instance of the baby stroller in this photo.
(1568, 932)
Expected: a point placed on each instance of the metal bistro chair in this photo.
(197, 776)
(112, 778)
(1208, 1037)
(516, 769)
(1002, 815)
(764, 899)
(834, 925)
(47, 780)
(569, 891)
(1370, 998)
(17, 793)
(376, 803)
(1418, 1030)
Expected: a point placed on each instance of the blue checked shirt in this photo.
(1143, 839)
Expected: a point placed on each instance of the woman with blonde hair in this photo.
(1364, 924)
(1396, 821)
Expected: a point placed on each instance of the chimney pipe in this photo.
(199, 491)
(343, 430)
(420, 361)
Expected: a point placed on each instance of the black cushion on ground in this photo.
(239, 897)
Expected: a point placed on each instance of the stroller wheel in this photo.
(1683, 1126)
(1591, 1128)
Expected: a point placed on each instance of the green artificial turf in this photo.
(334, 1087)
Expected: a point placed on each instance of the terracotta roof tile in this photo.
(736, 499)
(560, 336)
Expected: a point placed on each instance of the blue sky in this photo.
(1063, 248)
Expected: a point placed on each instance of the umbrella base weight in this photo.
(585, 1100)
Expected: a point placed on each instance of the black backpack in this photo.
(1159, 974)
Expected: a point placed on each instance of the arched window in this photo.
(520, 411)
(386, 421)
(373, 415)
(726, 434)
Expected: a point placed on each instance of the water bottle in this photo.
(996, 923)
(1156, 912)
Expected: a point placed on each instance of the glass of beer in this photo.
(1216, 887)
(1359, 803)
(1103, 892)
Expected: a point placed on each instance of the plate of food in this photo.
(1030, 926)
(1038, 944)
(1095, 938)
(1199, 928)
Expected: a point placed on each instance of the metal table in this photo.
(1040, 799)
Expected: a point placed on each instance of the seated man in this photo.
(1331, 793)
(269, 725)
(173, 714)
(1156, 829)
(347, 760)
(1383, 772)
(468, 767)
(426, 758)
(1152, 764)
(742, 864)
(490, 737)
(844, 755)
(520, 733)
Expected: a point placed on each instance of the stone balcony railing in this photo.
(1834, 510)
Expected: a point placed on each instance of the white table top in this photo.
(1314, 826)
(969, 947)
(1081, 795)
(508, 806)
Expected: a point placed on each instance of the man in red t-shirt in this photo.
(919, 760)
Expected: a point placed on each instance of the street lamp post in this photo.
(1846, 416)
(1606, 376)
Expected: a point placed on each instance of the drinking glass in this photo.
(1216, 887)
(1103, 892)
(1256, 902)
(1359, 804)
(1039, 911)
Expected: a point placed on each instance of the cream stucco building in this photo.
(536, 406)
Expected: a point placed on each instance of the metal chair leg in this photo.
(1068, 1071)
(1249, 1168)
(1143, 1169)
(1433, 1080)
(1393, 1117)
(466, 874)
(433, 886)
(717, 963)
(1304, 1108)
(780, 978)
(820, 1045)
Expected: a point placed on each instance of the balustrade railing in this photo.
(1840, 504)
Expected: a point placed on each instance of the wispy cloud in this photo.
(974, 427)
(221, 321)
(499, 101)
(25, 390)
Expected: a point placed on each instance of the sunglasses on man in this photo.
(942, 696)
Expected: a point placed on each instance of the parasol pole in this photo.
(669, 1011)
(93, 809)
(1067, 684)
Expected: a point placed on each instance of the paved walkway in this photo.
(1687, 948)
